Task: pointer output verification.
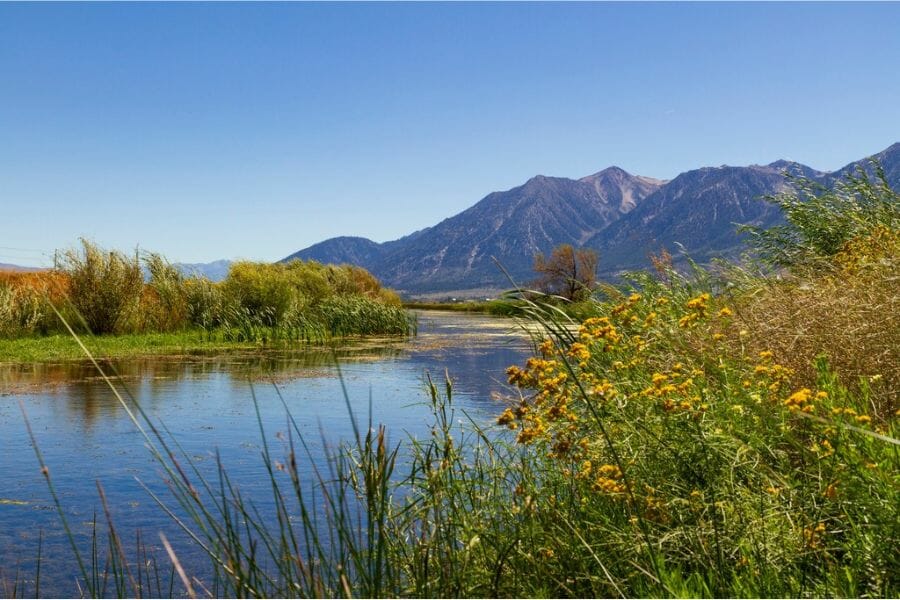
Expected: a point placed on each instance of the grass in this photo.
(60, 347)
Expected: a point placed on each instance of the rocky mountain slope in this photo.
(511, 226)
(625, 217)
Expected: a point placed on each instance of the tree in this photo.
(568, 272)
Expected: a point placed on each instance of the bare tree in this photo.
(568, 272)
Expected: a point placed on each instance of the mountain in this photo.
(889, 160)
(616, 186)
(18, 268)
(698, 210)
(352, 250)
(214, 271)
(625, 217)
(510, 226)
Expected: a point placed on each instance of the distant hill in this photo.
(625, 217)
(214, 271)
(9, 267)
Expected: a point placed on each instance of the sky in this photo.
(252, 130)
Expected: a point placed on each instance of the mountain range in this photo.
(624, 217)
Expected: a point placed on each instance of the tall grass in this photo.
(104, 286)
(105, 292)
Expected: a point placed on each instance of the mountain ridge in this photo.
(623, 216)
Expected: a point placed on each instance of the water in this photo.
(207, 404)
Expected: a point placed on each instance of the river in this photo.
(207, 404)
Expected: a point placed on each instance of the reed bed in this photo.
(109, 293)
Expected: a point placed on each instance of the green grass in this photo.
(55, 348)
(64, 348)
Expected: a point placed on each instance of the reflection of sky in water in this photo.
(207, 404)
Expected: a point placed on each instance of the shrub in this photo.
(358, 315)
(104, 286)
(672, 445)
(23, 302)
(266, 292)
(205, 302)
(820, 220)
(847, 312)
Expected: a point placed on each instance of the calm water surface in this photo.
(207, 403)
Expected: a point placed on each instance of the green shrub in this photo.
(205, 302)
(820, 220)
(358, 315)
(266, 292)
(22, 311)
(104, 286)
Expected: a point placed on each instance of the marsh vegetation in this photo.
(108, 293)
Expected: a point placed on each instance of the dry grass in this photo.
(848, 314)
(52, 283)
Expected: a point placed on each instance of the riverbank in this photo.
(56, 348)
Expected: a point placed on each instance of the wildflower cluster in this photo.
(697, 308)
(769, 375)
(605, 478)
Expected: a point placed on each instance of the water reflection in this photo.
(207, 404)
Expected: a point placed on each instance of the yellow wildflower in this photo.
(798, 399)
(698, 303)
(547, 348)
(508, 418)
(579, 351)
(659, 379)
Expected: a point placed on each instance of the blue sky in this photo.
(208, 131)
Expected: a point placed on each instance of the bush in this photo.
(670, 444)
(23, 302)
(820, 220)
(104, 287)
(847, 312)
(266, 292)
(358, 315)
